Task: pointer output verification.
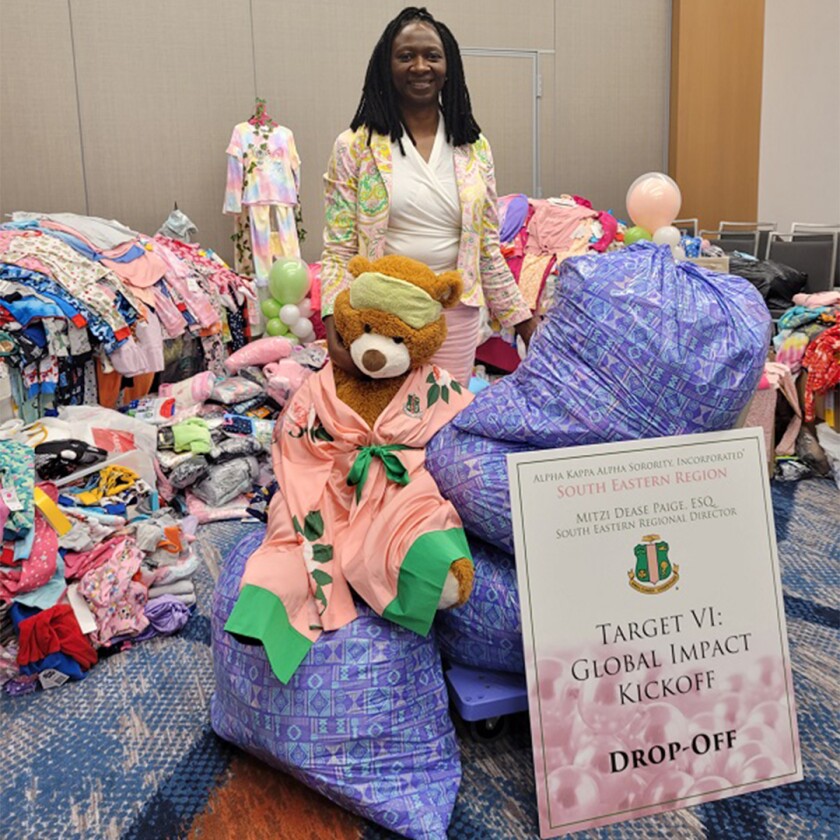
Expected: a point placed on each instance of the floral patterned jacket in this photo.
(357, 186)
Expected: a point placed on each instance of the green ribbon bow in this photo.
(394, 468)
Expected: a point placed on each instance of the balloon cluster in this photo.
(653, 202)
(288, 309)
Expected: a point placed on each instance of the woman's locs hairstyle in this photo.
(378, 108)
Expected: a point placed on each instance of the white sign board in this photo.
(654, 631)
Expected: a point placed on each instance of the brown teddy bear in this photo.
(358, 511)
(369, 318)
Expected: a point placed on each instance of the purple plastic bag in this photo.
(634, 346)
(486, 632)
(364, 720)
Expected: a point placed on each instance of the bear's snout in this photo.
(373, 360)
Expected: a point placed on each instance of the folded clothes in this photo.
(235, 447)
(189, 472)
(178, 587)
(227, 480)
(192, 434)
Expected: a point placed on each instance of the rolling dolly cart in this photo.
(485, 698)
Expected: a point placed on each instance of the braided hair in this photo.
(378, 108)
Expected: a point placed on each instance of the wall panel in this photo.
(715, 115)
(40, 146)
(799, 165)
(161, 85)
(611, 97)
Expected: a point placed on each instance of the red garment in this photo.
(822, 359)
(52, 631)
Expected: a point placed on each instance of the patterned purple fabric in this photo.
(364, 720)
(486, 632)
(634, 346)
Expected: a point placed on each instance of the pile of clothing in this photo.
(213, 434)
(536, 236)
(88, 306)
(90, 563)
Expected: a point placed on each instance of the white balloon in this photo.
(310, 338)
(302, 327)
(668, 235)
(289, 314)
(678, 251)
(305, 307)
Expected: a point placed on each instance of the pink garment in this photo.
(457, 354)
(114, 598)
(553, 228)
(143, 354)
(259, 352)
(365, 533)
(40, 566)
(817, 299)
(236, 508)
(183, 281)
(610, 226)
(171, 319)
(78, 563)
(141, 273)
(190, 392)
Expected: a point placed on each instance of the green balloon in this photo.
(288, 280)
(271, 308)
(274, 326)
(636, 234)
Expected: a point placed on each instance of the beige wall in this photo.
(119, 108)
(799, 169)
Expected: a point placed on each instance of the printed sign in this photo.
(654, 631)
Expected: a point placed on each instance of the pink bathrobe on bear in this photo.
(356, 508)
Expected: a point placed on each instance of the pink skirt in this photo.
(457, 354)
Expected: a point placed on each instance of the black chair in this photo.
(687, 227)
(744, 241)
(815, 254)
(764, 230)
(821, 230)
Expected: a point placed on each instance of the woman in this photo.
(414, 176)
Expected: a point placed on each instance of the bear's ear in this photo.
(359, 265)
(448, 288)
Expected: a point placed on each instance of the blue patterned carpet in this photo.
(128, 752)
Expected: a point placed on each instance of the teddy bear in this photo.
(358, 514)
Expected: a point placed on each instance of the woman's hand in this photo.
(525, 329)
(339, 354)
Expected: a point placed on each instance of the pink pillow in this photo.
(259, 352)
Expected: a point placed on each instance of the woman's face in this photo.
(418, 65)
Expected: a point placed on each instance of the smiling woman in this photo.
(432, 199)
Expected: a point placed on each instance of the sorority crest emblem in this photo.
(412, 406)
(654, 572)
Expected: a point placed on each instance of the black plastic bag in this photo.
(776, 282)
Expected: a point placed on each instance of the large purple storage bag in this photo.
(633, 346)
(486, 632)
(364, 720)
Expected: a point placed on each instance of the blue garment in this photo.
(23, 547)
(48, 287)
(27, 308)
(36, 334)
(60, 662)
